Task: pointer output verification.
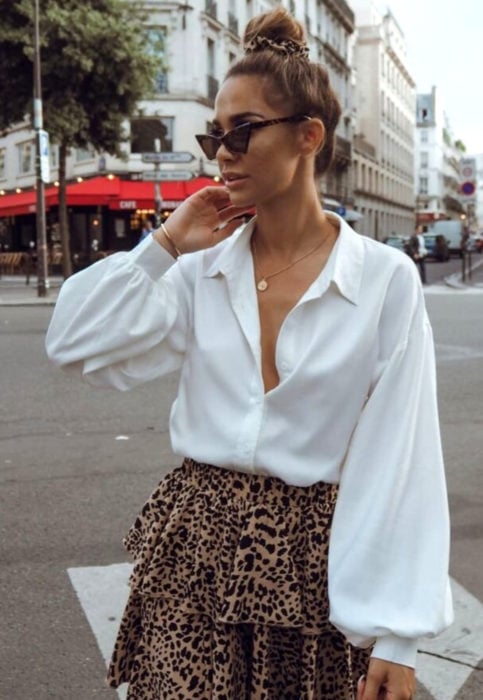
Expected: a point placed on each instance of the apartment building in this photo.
(437, 163)
(385, 109)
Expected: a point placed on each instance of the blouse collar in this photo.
(344, 267)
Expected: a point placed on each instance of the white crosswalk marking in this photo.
(444, 663)
(452, 656)
(103, 593)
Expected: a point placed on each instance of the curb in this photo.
(455, 280)
(14, 292)
(26, 302)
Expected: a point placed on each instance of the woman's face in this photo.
(268, 169)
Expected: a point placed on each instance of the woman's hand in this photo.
(387, 681)
(203, 220)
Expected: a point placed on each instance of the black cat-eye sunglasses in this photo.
(237, 140)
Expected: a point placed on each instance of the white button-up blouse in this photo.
(356, 403)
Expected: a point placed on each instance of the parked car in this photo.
(398, 242)
(437, 246)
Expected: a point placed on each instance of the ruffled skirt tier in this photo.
(228, 593)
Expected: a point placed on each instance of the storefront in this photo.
(105, 214)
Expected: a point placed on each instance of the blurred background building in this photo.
(437, 164)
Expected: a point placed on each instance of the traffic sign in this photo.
(468, 168)
(168, 157)
(468, 188)
(163, 175)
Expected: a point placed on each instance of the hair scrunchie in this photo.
(284, 46)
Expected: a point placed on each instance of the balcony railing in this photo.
(212, 87)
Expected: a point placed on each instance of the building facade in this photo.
(437, 163)
(479, 192)
(385, 107)
(195, 43)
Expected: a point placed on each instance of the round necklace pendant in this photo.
(262, 285)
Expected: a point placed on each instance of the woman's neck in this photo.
(288, 227)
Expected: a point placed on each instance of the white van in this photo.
(452, 230)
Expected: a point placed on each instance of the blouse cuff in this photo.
(398, 650)
(152, 258)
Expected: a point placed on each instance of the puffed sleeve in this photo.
(123, 320)
(389, 550)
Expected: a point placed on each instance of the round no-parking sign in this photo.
(468, 188)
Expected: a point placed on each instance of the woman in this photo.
(306, 410)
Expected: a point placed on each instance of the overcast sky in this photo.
(445, 43)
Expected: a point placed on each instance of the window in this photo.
(424, 159)
(213, 85)
(156, 46)
(54, 157)
(83, 154)
(211, 57)
(2, 164)
(26, 156)
(424, 136)
(423, 185)
(144, 131)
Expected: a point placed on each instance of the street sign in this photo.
(468, 168)
(44, 156)
(168, 157)
(163, 175)
(468, 188)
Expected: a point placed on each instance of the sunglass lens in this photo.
(237, 140)
(209, 145)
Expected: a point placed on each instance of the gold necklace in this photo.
(262, 284)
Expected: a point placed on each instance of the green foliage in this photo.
(446, 137)
(460, 146)
(95, 67)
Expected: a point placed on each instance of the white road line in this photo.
(454, 291)
(456, 353)
(444, 663)
(103, 593)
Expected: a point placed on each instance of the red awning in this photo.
(16, 204)
(98, 191)
(102, 191)
(136, 194)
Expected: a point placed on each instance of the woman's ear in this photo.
(313, 136)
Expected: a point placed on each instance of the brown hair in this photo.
(275, 49)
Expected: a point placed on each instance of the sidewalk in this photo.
(14, 291)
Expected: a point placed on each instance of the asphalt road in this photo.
(71, 484)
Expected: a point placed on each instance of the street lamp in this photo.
(42, 271)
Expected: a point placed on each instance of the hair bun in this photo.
(276, 31)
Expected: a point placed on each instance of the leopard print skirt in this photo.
(228, 593)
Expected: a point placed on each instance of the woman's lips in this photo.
(231, 181)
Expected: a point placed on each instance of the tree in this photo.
(95, 68)
(460, 146)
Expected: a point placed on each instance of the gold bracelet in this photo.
(170, 240)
